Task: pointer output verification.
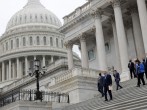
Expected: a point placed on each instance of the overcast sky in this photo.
(59, 7)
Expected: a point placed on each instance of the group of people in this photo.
(105, 84)
(137, 69)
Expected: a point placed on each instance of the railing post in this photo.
(12, 97)
(30, 96)
(68, 100)
(19, 94)
(59, 97)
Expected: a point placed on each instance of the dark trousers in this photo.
(100, 89)
(118, 85)
(132, 72)
(106, 89)
(141, 77)
(146, 74)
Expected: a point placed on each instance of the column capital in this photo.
(97, 13)
(68, 44)
(115, 3)
(82, 37)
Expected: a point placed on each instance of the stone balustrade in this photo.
(75, 72)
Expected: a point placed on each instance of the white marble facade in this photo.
(114, 32)
(108, 33)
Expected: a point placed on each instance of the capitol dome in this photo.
(32, 33)
(34, 13)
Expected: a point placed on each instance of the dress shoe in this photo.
(111, 99)
(106, 99)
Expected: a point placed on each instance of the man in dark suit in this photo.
(117, 79)
(145, 66)
(107, 85)
(132, 69)
(100, 84)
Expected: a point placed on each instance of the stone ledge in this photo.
(27, 105)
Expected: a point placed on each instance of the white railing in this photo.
(76, 72)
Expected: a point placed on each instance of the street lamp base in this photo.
(38, 95)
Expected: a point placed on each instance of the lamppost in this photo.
(37, 72)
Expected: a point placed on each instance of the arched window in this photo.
(17, 42)
(51, 41)
(57, 42)
(38, 42)
(44, 40)
(24, 41)
(3, 47)
(62, 43)
(11, 44)
(31, 41)
(7, 46)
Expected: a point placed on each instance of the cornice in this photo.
(22, 52)
(75, 20)
(24, 30)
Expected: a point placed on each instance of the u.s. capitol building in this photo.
(108, 32)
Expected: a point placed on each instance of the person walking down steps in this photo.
(140, 72)
(117, 79)
(100, 84)
(107, 85)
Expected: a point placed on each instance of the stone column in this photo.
(84, 55)
(137, 33)
(101, 53)
(9, 73)
(14, 71)
(43, 60)
(26, 65)
(70, 55)
(34, 57)
(3, 71)
(52, 59)
(143, 21)
(18, 67)
(0, 74)
(122, 42)
(117, 59)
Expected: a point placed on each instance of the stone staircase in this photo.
(128, 98)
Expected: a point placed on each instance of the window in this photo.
(91, 54)
(11, 44)
(24, 41)
(17, 42)
(3, 47)
(57, 42)
(51, 41)
(44, 40)
(38, 42)
(62, 43)
(7, 46)
(107, 47)
(31, 41)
